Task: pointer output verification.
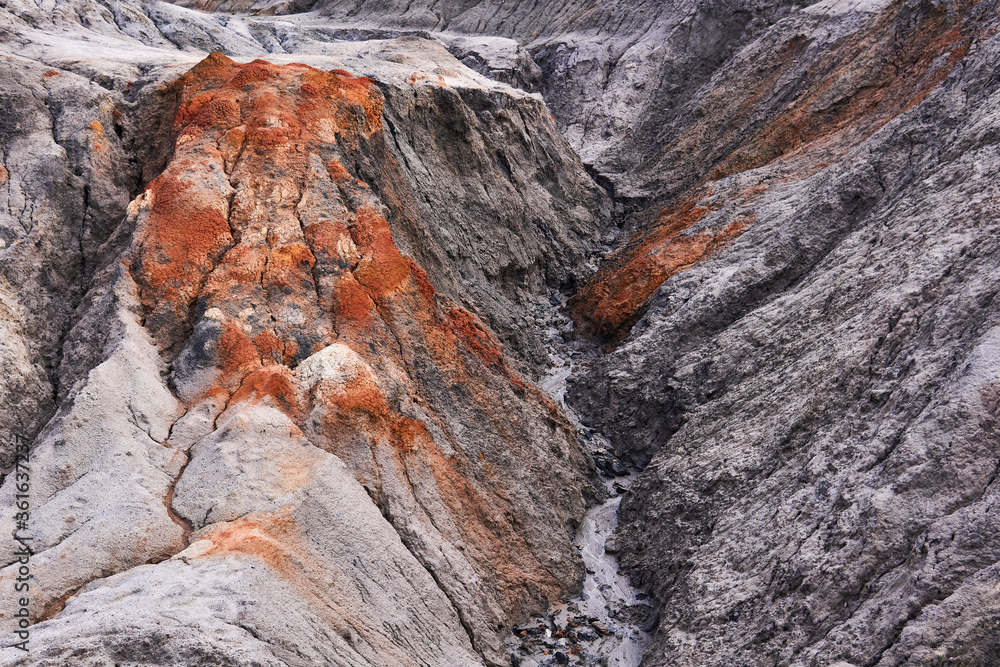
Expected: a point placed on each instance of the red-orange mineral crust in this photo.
(864, 81)
(610, 303)
(256, 248)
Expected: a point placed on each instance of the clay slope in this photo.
(301, 301)
(276, 441)
(811, 369)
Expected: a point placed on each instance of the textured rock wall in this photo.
(821, 83)
(531, 214)
(61, 198)
(814, 394)
(525, 232)
(257, 390)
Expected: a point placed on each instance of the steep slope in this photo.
(529, 231)
(261, 393)
(821, 83)
(812, 383)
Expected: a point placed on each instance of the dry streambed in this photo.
(609, 622)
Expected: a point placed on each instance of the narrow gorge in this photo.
(448, 333)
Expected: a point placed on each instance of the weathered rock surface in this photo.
(272, 325)
(258, 389)
(814, 392)
(56, 211)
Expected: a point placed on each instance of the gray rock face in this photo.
(61, 199)
(815, 398)
(251, 587)
(512, 238)
(271, 327)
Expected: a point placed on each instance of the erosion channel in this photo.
(609, 623)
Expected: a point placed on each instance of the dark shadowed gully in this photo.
(446, 333)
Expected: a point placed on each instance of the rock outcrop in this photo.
(277, 285)
(260, 394)
(812, 383)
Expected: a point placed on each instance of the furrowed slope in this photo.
(811, 384)
(264, 394)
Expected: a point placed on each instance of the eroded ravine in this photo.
(610, 621)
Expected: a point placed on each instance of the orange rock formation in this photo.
(257, 249)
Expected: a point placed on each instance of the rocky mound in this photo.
(260, 396)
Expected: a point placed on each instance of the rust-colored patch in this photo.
(383, 269)
(99, 141)
(236, 351)
(352, 302)
(290, 268)
(253, 72)
(475, 336)
(270, 347)
(338, 172)
(3, 175)
(362, 396)
(264, 535)
(611, 302)
(220, 394)
(408, 433)
(331, 243)
(382, 278)
(291, 350)
(182, 241)
(424, 285)
(49, 73)
(244, 266)
(275, 383)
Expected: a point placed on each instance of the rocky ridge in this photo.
(285, 407)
